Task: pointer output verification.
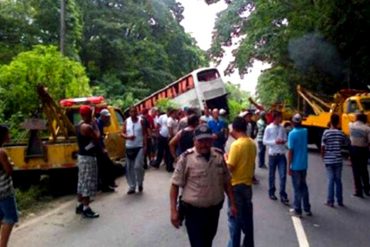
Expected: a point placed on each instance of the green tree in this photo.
(43, 65)
(272, 87)
(24, 23)
(309, 40)
(138, 43)
(237, 99)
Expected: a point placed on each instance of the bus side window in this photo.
(190, 82)
(183, 85)
(174, 93)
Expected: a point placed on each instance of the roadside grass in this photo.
(31, 199)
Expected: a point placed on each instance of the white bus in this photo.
(200, 88)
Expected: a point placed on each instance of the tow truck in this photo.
(58, 150)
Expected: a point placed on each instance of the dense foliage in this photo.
(129, 48)
(237, 99)
(43, 65)
(320, 44)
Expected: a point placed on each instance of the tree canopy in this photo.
(320, 44)
(129, 48)
(43, 65)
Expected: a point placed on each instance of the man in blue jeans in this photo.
(275, 138)
(297, 161)
(241, 162)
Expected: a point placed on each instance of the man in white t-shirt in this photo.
(166, 124)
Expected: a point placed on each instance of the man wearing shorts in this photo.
(88, 140)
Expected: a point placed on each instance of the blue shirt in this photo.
(297, 142)
(217, 127)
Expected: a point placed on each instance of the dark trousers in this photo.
(147, 155)
(279, 162)
(300, 191)
(243, 222)
(261, 154)
(359, 156)
(164, 151)
(201, 224)
(105, 170)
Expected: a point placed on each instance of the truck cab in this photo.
(112, 139)
(352, 105)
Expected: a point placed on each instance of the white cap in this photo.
(243, 113)
(222, 111)
(105, 113)
(203, 118)
(297, 118)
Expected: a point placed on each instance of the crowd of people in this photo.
(192, 146)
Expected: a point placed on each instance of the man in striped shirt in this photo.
(331, 145)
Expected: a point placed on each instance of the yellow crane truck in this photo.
(58, 151)
(345, 103)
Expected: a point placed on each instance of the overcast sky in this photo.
(199, 22)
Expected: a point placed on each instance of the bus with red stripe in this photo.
(200, 88)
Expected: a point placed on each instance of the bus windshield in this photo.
(365, 104)
(208, 75)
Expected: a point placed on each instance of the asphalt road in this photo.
(143, 220)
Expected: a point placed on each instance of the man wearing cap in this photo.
(105, 164)
(88, 141)
(202, 174)
(298, 162)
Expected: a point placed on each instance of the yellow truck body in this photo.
(59, 152)
(346, 103)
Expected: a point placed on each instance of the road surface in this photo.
(143, 220)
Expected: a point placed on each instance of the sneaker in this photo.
(113, 185)
(309, 213)
(141, 188)
(79, 209)
(340, 204)
(273, 197)
(263, 167)
(255, 181)
(108, 189)
(131, 191)
(329, 204)
(358, 195)
(153, 164)
(88, 213)
(293, 212)
(284, 201)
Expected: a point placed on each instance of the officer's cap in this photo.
(203, 132)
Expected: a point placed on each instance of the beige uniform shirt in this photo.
(202, 181)
(359, 134)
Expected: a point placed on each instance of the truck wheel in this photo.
(25, 179)
(63, 181)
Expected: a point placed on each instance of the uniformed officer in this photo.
(202, 174)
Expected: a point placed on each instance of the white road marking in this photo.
(301, 235)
